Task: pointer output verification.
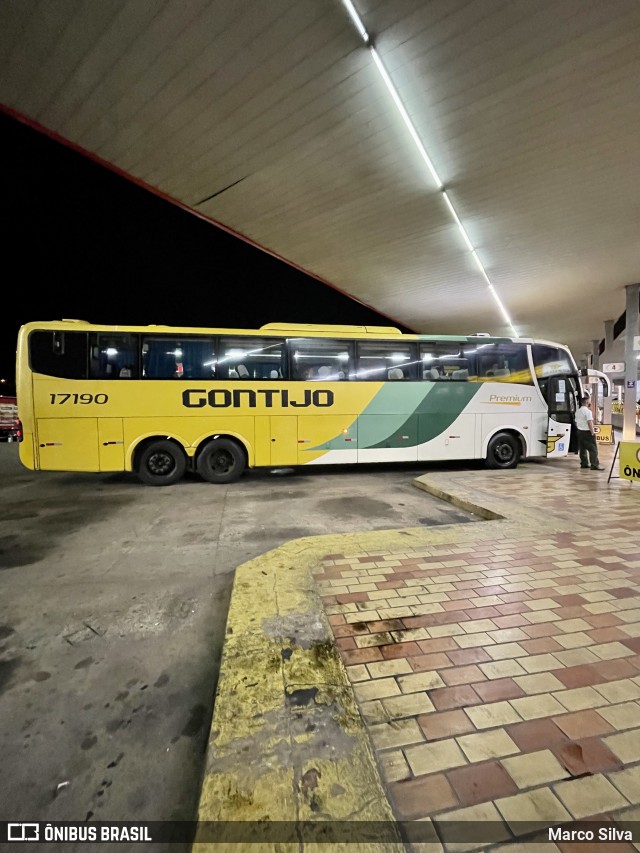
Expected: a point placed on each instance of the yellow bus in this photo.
(160, 401)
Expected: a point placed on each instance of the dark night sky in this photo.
(81, 241)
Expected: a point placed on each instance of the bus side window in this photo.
(159, 358)
(386, 361)
(444, 360)
(550, 361)
(112, 353)
(323, 359)
(250, 357)
(198, 358)
(504, 362)
(187, 357)
(61, 354)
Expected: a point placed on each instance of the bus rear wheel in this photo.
(161, 463)
(503, 451)
(221, 461)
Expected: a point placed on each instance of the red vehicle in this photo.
(10, 426)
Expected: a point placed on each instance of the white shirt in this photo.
(583, 416)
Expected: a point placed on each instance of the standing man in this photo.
(587, 446)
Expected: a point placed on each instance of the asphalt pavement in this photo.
(113, 605)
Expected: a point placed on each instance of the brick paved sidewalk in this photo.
(501, 682)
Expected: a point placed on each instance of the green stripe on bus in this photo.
(435, 413)
(407, 414)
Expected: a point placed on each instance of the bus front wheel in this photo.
(161, 463)
(221, 461)
(503, 451)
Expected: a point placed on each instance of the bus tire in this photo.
(504, 451)
(161, 463)
(221, 461)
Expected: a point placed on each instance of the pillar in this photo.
(594, 385)
(608, 345)
(632, 330)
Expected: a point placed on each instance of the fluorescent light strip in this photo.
(405, 115)
(503, 310)
(480, 267)
(465, 236)
(357, 21)
(355, 17)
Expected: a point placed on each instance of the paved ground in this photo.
(113, 603)
(495, 668)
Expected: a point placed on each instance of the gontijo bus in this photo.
(160, 401)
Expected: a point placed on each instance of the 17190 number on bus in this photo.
(78, 399)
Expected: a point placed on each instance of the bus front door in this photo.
(561, 404)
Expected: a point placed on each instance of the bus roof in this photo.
(286, 330)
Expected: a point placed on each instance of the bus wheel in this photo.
(503, 451)
(221, 461)
(161, 463)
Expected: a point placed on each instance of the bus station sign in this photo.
(630, 461)
(604, 434)
(613, 367)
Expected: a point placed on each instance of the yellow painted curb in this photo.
(287, 742)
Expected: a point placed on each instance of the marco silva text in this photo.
(601, 833)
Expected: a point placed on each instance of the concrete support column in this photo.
(608, 345)
(594, 385)
(632, 330)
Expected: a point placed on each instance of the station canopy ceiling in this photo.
(274, 120)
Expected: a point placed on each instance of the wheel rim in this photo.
(503, 452)
(160, 464)
(221, 462)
